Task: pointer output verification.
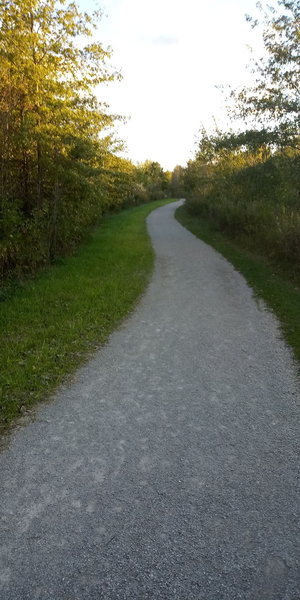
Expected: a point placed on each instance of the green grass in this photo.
(51, 323)
(267, 281)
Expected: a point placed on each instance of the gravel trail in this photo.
(168, 468)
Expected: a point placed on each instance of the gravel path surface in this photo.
(168, 469)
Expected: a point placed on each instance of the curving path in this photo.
(167, 470)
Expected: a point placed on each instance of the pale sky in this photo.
(172, 54)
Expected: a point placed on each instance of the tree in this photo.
(50, 120)
(274, 100)
(177, 182)
(154, 179)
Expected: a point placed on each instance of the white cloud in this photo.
(165, 40)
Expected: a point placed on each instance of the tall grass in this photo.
(280, 294)
(258, 204)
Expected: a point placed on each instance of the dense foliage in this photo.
(247, 183)
(59, 165)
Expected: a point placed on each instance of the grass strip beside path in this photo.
(280, 295)
(51, 323)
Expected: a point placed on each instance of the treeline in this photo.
(59, 163)
(247, 183)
